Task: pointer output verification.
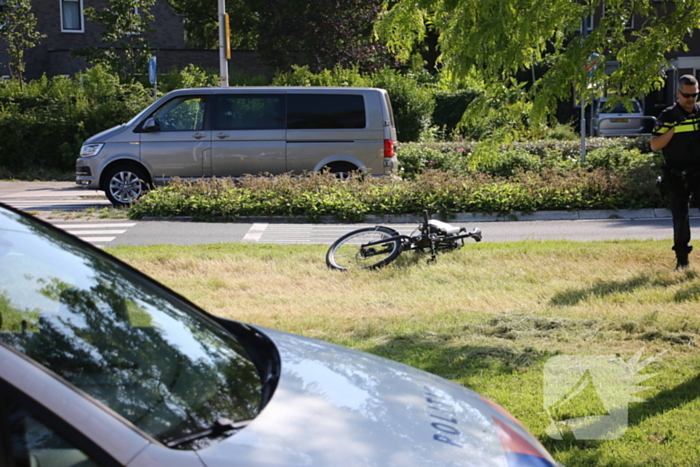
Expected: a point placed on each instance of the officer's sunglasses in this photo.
(688, 96)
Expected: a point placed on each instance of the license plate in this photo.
(620, 119)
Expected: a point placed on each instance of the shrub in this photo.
(449, 108)
(338, 76)
(506, 160)
(564, 132)
(194, 76)
(413, 104)
(44, 122)
(495, 160)
(620, 158)
(188, 77)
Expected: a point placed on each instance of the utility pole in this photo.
(224, 44)
(582, 97)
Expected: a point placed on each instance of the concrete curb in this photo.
(457, 218)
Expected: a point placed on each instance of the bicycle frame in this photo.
(375, 247)
(434, 241)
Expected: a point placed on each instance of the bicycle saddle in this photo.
(443, 227)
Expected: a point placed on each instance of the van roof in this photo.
(311, 89)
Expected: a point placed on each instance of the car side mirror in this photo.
(151, 125)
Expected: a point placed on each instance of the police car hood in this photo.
(335, 406)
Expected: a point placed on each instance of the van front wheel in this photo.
(125, 184)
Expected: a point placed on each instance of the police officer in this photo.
(677, 132)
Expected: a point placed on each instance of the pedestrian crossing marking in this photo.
(97, 239)
(255, 232)
(95, 233)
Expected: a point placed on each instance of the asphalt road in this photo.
(51, 200)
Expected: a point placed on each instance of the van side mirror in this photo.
(151, 125)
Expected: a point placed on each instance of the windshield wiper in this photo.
(221, 426)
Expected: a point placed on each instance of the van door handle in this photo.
(223, 135)
(199, 135)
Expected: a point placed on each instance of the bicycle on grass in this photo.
(374, 247)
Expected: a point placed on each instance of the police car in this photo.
(100, 365)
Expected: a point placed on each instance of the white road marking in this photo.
(254, 233)
(97, 239)
(93, 225)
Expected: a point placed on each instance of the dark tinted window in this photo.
(250, 112)
(33, 443)
(325, 111)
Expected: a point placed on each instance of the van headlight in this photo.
(89, 150)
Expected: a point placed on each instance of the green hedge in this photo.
(618, 154)
(448, 181)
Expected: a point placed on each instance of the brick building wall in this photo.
(51, 56)
(61, 62)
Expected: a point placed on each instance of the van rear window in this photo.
(325, 111)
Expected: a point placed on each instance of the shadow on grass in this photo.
(665, 400)
(409, 259)
(573, 297)
(590, 452)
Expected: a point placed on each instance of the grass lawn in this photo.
(496, 318)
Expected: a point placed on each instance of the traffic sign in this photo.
(152, 69)
(592, 63)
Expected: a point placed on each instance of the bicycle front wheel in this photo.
(348, 251)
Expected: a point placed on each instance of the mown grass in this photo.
(488, 317)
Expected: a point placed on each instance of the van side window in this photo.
(325, 111)
(249, 112)
(181, 114)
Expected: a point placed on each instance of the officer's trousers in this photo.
(681, 187)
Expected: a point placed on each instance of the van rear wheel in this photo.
(342, 171)
(125, 184)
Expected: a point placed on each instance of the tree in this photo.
(126, 51)
(18, 29)
(497, 39)
(202, 23)
(320, 34)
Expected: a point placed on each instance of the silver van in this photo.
(231, 132)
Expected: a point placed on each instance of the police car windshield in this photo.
(118, 336)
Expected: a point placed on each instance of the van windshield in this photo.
(620, 108)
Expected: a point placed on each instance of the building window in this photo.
(71, 15)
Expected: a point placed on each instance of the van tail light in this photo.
(388, 148)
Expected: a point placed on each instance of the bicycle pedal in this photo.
(476, 234)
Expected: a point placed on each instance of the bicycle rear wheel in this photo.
(348, 253)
